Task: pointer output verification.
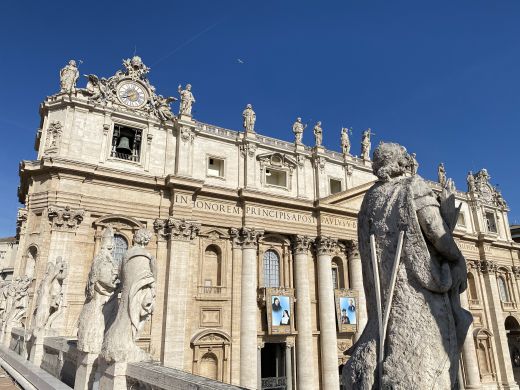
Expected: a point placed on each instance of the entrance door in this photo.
(273, 367)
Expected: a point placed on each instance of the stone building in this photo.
(255, 237)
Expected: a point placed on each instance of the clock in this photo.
(132, 94)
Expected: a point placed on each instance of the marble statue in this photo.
(345, 141)
(101, 303)
(366, 144)
(97, 87)
(68, 77)
(187, 100)
(164, 111)
(427, 325)
(441, 173)
(138, 272)
(20, 302)
(415, 165)
(471, 182)
(49, 297)
(318, 134)
(249, 119)
(297, 129)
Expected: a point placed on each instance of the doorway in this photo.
(273, 367)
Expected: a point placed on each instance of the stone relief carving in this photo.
(366, 144)
(187, 134)
(68, 77)
(187, 100)
(318, 134)
(249, 119)
(319, 162)
(100, 305)
(426, 314)
(105, 91)
(49, 297)
(14, 300)
(298, 128)
(53, 139)
(345, 141)
(65, 217)
(301, 243)
(248, 148)
(138, 275)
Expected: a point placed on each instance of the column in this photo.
(289, 344)
(469, 355)
(180, 233)
(328, 336)
(504, 367)
(355, 273)
(304, 349)
(259, 365)
(248, 238)
(236, 258)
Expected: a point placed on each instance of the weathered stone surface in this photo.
(136, 305)
(100, 305)
(427, 326)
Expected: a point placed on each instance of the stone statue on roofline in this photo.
(100, 306)
(441, 173)
(187, 100)
(318, 134)
(345, 141)
(138, 273)
(366, 144)
(427, 325)
(68, 77)
(249, 119)
(298, 128)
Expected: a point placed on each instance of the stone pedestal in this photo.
(304, 349)
(86, 371)
(114, 377)
(328, 336)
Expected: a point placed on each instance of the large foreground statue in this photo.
(427, 326)
(137, 303)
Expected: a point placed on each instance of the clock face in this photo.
(132, 94)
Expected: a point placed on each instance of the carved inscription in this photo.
(341, 222)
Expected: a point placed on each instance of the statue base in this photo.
(87, 371)
(114, 377)
(185, 118)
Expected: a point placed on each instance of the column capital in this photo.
(488, 266)
(352, 249)
(301, 243)
(65, 218)
(246, 237)
(289, 343)
(326, 245)
(177, 229)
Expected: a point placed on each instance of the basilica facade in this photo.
(259, 281)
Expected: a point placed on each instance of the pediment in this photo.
(351, 198)
(277, 160)
(214, 233)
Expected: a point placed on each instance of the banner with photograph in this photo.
(279, 311)
(346, 310)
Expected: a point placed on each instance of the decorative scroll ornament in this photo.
(65, 217)
(130, 90)
(301, 243)
(326, 245)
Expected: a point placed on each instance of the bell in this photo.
(124, 146)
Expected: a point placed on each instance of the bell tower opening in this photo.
(126, 143)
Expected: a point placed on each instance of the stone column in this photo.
(235, 305)
(504, 367)
(259, 365)
(355, 272)
(248, 238)
(469, 355)
(304, 348)
(327, 308)
(288, 363)
(180, 233)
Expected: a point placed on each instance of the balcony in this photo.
(212, 293)
(274, 383)
(474, 303)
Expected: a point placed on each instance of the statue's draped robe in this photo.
(421, 349)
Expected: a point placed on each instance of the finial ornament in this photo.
(68, 77)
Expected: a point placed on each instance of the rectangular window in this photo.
(126, 143)
(275, 177)
(335, 186)
(461, 220)
(491, 222)
(215, 167)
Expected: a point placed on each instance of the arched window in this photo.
(472, 287)
(209, 366)
(211, 268)
(120, 248)
(271, 269)
(502, 289)
(338, 279)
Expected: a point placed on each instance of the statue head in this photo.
(390, 160)
(318, 124)
(188, 87)
(298, 119)
(142, 237)
(249, 106)
(72, 63)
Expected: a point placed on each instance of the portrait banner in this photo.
(280, 309)
(346, 310)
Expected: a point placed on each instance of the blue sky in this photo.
(442, 78)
